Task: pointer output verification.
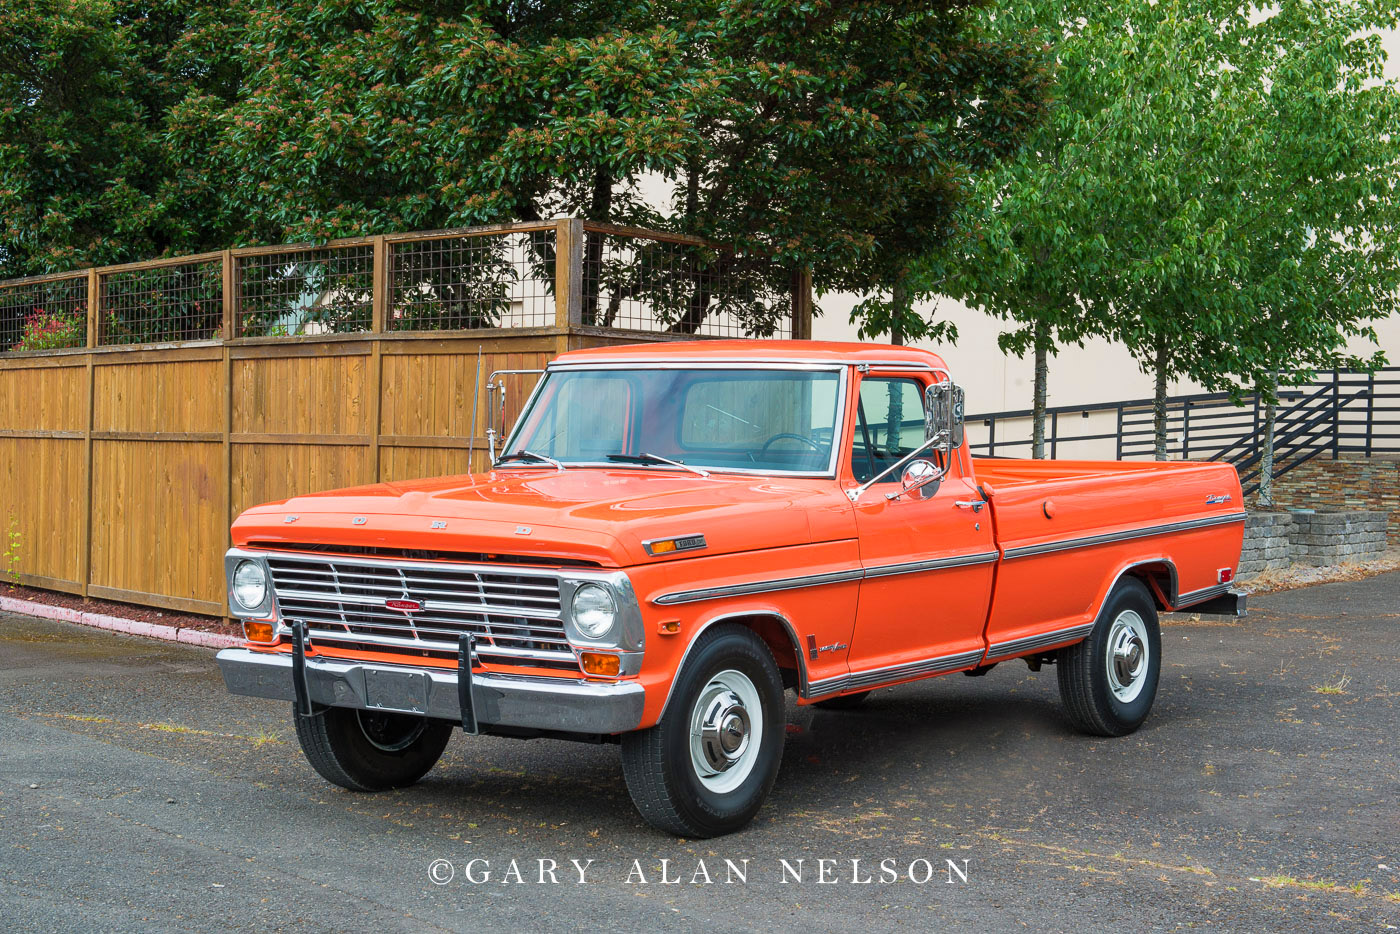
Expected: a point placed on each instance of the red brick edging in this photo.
(130, 627)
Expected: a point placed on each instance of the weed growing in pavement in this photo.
(1334, 687)
(12, 552)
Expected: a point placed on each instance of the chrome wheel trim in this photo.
(379, 730)
(1127, 656)
(726, 731)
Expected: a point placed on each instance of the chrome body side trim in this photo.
(768, 586)
(1200, 596)
(572, 705)
(874, 677)
(1025, 551)
(818, 580)
(936, 564)
(1026, 644)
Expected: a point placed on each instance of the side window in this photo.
(889, 424)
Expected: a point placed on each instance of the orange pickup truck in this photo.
(673, 535)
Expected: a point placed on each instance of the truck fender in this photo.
(1158, 573)
(775, 629)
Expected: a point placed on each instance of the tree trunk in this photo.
(899, 299)
(599, 209)
(1266, 457)
(1159, 400)
(1042, 377)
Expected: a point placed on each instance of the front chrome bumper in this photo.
(569, 705)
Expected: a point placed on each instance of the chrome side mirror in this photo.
(920, 480)
(943, 416)
(943, 432)
(496, 383)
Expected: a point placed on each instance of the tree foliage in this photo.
(835, 135)
(1214, 189)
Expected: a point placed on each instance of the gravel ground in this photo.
(1301, 576)
(135, 794)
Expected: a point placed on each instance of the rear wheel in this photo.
(1109, 680)
(366, 750)
(707, 766)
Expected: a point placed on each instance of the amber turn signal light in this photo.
(256, 630)
(596, 663)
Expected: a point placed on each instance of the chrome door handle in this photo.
(974, 504)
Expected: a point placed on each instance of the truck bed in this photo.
(1067, 530)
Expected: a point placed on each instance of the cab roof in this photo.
(758, 350)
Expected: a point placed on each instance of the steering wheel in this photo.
(787, 435)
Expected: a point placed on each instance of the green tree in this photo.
(832, 135)
(1214, 188)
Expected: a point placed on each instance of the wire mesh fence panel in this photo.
(322, 290)
(636, 283)
(44, 315)
(174, 302)
(497, 280)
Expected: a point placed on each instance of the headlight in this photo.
(249, 585)
(593, 610)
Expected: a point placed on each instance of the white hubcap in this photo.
(726, 730)
(1127, 656)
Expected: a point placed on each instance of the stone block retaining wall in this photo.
(1323, 538)
(1274, 540)
(1343, 484)
(1266, 545)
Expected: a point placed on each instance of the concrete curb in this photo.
(129, 627)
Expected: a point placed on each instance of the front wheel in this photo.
(706, 767)
(1109, 680)
(365, 750)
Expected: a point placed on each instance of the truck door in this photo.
(928, 559)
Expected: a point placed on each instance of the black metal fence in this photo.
(1340, 413)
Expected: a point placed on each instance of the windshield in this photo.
(766, 421)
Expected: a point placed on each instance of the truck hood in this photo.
(582, 514)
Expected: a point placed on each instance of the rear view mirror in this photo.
(943, 416)
(920, 479)
(943, 431)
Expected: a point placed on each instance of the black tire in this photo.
(660, 765)
(843, 701)
(366, 750)
(1087, 686)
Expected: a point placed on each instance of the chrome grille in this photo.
(516, 617)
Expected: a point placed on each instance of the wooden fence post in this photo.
(94, 304)
(94, 315)
(379, 315)
(228, 331)
(568, 272)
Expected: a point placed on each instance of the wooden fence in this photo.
(195, 387)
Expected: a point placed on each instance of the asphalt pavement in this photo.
(1262, 794)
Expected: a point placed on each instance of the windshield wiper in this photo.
(645, 458)
(524, 455)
